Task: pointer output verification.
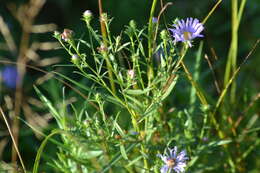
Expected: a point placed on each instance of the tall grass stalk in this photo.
(236, 15)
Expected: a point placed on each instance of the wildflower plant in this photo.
(124, 76)
(123, 119)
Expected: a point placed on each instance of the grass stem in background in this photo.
(236, 15)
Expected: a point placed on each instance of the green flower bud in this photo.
(87, 15)
(104, 17)
(75, 59)
(56, 34)
(164, 34)
(132, 24)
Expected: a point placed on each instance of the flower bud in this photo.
(67, 34)
(131, 73)
(87, 15)
(132, 24)
(164, 34)
(104, 17)
(56, 34)
(75, 59)
(102, 48)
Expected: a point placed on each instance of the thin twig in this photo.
(211, 11)
(213, 72)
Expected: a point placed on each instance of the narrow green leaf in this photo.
(134, 161)
(222, 142)
(137, 91)
(117, 157)
(123, 152)
(153, 107)
(170, 88)
(118, 128)
(123, 46)
(92, 154)
(76, 83)
(48, 104)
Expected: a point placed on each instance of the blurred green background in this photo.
(68, 14)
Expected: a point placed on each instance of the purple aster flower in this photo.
(187, 31)
(10, 76)
(174, 161)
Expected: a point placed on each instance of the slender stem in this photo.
(104, 36)
(241, 10)
(232, 54)
(211, 11)
(150, 30)
(150, 42)
(102, 23)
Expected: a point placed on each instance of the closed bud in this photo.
(67, 34)
(75, 59)
(98, 97)
(87, 15)
(118, 39)
(102, 49)
(104, 17)
(131, 73)
(132, 24)
(164, 35)
(56, 34)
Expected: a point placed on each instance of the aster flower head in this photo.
(186, 31)
(173, 161)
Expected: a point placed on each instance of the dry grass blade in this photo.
(213, 73)
(11, 134)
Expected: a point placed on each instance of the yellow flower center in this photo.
(170, 162)
(187, 35)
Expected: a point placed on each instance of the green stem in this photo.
(150, 42)
(104, 37)
(232, 54)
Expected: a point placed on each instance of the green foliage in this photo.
(128, 97)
